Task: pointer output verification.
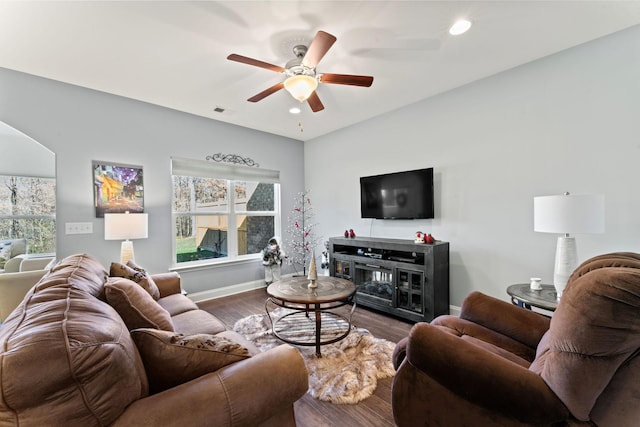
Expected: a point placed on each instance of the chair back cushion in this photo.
(589, 355)
(67, 358)
(616, 259)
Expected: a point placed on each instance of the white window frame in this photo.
(230, 173)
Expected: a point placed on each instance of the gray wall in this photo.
(81, 125)
(569, 122)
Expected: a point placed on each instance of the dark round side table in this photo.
(523, 296)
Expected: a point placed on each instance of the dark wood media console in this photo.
(400, 277)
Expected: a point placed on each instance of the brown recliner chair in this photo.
(501, 365)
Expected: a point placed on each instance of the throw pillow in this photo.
(138, 275)
(155, 292)
(171, 358)
(135, 306)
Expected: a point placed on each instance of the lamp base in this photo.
(566, 262)
(126, 251)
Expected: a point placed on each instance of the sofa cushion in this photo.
(176, 304)
(138, 275)
(136, 307)
(171, 358)
(197, 322)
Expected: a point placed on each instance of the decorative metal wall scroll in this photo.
(233, 158)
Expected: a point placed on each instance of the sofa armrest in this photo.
(13, 264)
(14, 287)
(522, 325)
(482, 377)
(37, 263)
(168, 283)
(399, 352)
(245, 393)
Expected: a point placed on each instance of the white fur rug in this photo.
(348, 370)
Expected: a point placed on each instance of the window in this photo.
(28, 210)
(222, 212)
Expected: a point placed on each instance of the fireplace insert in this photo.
(374, 280)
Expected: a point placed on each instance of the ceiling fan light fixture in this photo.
(461, 26)
(301, 86)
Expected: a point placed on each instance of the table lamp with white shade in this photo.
(568, 214)
(125, 226)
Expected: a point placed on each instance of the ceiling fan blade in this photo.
(346, 79)
(320, 45)
(315, 103)
(255, 62)
(273, 89)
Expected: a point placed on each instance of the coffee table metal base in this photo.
(311, 327)
(311, 321)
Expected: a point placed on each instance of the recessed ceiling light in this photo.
(294, 110)
(461, 26)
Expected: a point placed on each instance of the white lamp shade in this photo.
(569, 214)
(301, 86)
(118, 226)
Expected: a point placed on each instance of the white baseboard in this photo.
(226, 291)
(230, 290)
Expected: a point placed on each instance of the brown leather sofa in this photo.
(85, 349)
(501, 365)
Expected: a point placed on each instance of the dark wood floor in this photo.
(374, 411)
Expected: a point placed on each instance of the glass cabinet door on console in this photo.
(409, 288)
(342, 269)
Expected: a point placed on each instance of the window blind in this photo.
(207, 169)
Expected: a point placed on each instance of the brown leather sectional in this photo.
(68, 357)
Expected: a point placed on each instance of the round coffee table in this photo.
(296, 327)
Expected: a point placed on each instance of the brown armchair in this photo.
(501, 365)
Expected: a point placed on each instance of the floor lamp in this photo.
(567, 214)
(126, 226)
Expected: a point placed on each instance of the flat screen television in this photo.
(399, 195)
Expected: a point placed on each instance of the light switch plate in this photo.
(78, 228)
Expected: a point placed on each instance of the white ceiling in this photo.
(173, 54)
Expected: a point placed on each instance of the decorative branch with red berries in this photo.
(301, 231)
